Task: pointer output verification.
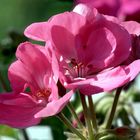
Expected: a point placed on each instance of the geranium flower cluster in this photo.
(123, 9)
(84, 50)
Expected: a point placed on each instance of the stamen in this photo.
(43, 94)
(73, 62)
(74, 69)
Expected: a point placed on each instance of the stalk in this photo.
(113, 109)
(69, 125)
(87, 117)
(25, 134)
(93, 114)
(71, 108)
(135, 120)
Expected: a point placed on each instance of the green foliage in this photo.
(10, 132)
(18, 14)
(8, 46)
(124, 112)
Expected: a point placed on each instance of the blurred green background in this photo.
(17, 14)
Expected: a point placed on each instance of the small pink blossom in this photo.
(124, 9)
(91, 49)
(107, 7)
(134, 29)
(35, 93)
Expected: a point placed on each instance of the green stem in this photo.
(87, 117)
(25, 134)
(135, 120)
(113, 109)
(69, 125)
(93, 114)
(71, 108)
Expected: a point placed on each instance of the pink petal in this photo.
(132, 27)
(69, 20)
(19, 76)
(130, 6)
(41, 31)
(107, 80)
(88, 12)
(55, 106)
(35, 62)
(65, 43)
(112, 18)
(51, 54)
(109, 7)
(133, 69)
(123, 39)
(52, 85)
(104, 36)
(17, 110)
(101, 41)
(38, 31)
(55, 67)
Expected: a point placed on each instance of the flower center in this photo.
(74, 69)
(43, 95)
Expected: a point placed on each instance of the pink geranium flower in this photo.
(90, 49)
(124, 9)
(35, 94)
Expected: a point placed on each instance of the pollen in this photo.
(40, 94)
(43, 93)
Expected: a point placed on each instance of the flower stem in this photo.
(69, 125)
(87, 117)
(71, 108)
(113, 109)
(93, 114)
(25, 134)
(135, 120)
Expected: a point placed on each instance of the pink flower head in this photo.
(90, 49)
(35, 94)
(124, 9)
(108, 7)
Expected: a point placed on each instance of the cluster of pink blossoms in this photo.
(123, 9)
(84, 50)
